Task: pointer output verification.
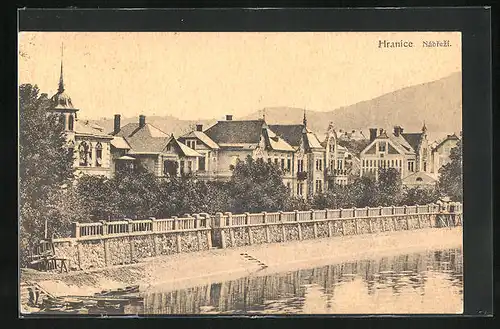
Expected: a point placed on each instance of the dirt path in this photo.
(187, 270)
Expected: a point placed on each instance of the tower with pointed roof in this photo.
(62, 103)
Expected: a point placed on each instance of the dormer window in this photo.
(381, 147)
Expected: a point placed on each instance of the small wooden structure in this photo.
(43, 258)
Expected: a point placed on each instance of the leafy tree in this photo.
(451, 181)
(96, 193)
(362, 192)
(389, 187)
(419, 195)
(45, 163)
(257, 186)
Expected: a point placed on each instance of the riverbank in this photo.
(192, 269)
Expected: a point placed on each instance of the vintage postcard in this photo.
(240, 173)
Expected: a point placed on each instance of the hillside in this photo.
(438, 103)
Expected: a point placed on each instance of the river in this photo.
(418, 283)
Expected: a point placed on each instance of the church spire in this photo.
(61, 81)
(424, 128)
(304, 121)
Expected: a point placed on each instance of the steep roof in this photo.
(275, 142)
(413, 139)
(442, 141)
(202, 137)
(292, 134)
(234, 132)
(120, 143)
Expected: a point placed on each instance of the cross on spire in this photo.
(61, 80)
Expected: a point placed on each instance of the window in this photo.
(276, 161)
(318, 186)
(189, 166)
(169, 147)
(331, 164)
(410, 166)
(191, 144)
(71, 123)
(201, 164)
(289, 164)
(340, 164)
(98, 155)
(400, 164)
(282, 164)
(381, 147)
(332, 147)
(300, 165)
(82, 153)
(300, 188)
(319, 164)
(425, 166)
(419, 179)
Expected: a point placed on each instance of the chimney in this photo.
(199, 127)
(373, 134)
(380, 131)
(117, 124)
(400, 130)
(397, 131)
(142, 121)
(229, 117)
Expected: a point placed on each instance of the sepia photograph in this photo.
(240, 173)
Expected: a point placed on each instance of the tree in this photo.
(451, 181)
(45, 163)
(96, 193)
(389, 187)
(419, 195)
(257, 186)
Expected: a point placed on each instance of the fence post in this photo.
(381, 217)
(231, 230)
(208, 225)
(155, 229)
(407, 217)
(249, 228)
(299, 228)
(266, 227)
(130, 239)
(418, 217)
(315, 225)
(105, 244)
(329, 223)
(394, 220)
(197, 224)
(355, 221)
(342, 222)
(177, 234)
(219, 219)
(283, 230)
(76, 229)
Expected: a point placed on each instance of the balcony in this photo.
(337, 172)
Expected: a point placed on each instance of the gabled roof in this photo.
(442, 141)
(203, 138)
(120, 143)
(275, 142)
(236, 132)
(184, 149)
(413, 139)
(295, 134)
(292, 134)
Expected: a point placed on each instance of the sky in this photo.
(207, 75)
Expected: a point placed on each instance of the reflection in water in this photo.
(417, 283)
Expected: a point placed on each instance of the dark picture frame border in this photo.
(473, 22)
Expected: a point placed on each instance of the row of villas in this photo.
(417, 160)
(308, 164)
